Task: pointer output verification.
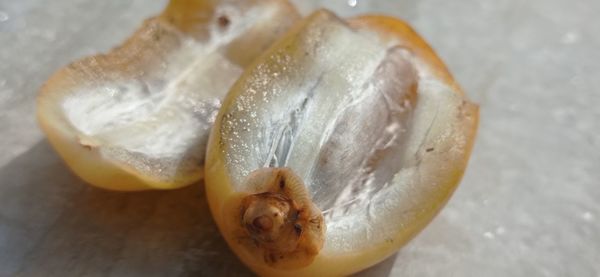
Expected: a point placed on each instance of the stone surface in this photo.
(528, 205)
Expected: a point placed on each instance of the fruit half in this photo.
(336, 147)
(139, 116)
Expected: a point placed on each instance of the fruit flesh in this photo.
(380, 155)
(139, 117)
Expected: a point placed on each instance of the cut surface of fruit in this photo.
(368, 119)
(139, 116)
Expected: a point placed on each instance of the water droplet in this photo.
(587, 216)
(570, 37)
(489, 235)
(352, 3)
(4, 16)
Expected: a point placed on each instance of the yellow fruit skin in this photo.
(219, 191)
(95, 170)
(85, 161)
(125, 61)
(393, 29)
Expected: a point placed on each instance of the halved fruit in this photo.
(336, 147)
(139, 117)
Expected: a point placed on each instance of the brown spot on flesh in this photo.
(298, 229)
(281, 183)
(223, 21)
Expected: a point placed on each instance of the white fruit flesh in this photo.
(379, 142)
(139, 117)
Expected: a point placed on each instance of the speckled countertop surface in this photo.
(528, 205)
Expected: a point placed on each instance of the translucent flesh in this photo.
(378, 140)
(147, 107)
